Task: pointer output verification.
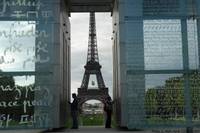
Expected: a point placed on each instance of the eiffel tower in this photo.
(92, 67)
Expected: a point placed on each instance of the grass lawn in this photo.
(92, 119)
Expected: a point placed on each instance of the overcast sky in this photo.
(79, 45)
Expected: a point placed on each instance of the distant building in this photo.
(96, 108)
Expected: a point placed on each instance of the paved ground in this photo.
(20, 131)
(95, 129)
(98, 130)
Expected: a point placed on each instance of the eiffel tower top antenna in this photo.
(92, 43)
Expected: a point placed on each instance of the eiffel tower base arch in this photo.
(92, 94)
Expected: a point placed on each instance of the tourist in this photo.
(108, 109)
(74, 111)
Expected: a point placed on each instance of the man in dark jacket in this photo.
(74, 111)
(108, 109)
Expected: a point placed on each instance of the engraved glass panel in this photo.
(162, 45)
(17, 51)
(164, 99)
(193, 44)
(195, 95)
(161, 7)
(29, 54)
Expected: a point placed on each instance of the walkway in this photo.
(96, 129)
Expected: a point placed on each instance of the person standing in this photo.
(108, 109)
(74, 111)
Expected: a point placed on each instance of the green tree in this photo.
(174, 98)
(195, 92)
(6, 80)
(151, 102)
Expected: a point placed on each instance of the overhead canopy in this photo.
(90, 5)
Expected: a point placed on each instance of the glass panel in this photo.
(17, 51)
(29, 38)
(164, 99)
(16, 101)
(20, 98)
(162, 45)
(195, 93)
(193, 44)
(161, 7)
(166, 56)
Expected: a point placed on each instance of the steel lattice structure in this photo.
(92, 67)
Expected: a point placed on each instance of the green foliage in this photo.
(114, 122)
(7, 81)
(151, 101)
(92, 120)
(13, 96)
(155, 120)
(10, 94)
(168, 101)
(69, 123)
